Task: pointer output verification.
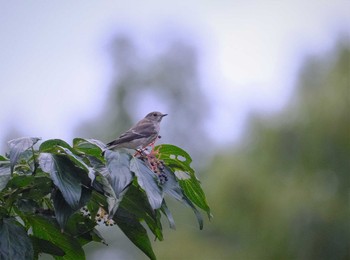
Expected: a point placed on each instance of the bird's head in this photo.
(155, 116)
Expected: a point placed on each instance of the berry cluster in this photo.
(156, 165)
(162, 178)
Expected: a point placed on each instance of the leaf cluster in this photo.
(53, 197)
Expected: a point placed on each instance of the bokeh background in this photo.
(258, 92)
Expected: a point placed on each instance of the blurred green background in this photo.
(283, 192)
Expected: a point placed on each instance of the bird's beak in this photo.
(164, 115)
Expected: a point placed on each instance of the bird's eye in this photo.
(154, 114)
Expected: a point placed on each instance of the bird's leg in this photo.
(140, 152)
(153, 143)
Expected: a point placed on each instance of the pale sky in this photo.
(55, 68)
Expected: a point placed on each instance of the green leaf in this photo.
(27, 205)
(148, 182)
(118, 165)
(81, 227)
(30, 186)
(14, 241)
(112, 200)
(168, 214)
(135, 201)
(89, 236)
(172, 188)
(64, 175)
(194, 192)
(97, 200)
(3, 158)
(40, 187)
(62, 209)
(78, 161)
(97, 237)
(52, 144)
(174, 157)
(179, 162)
(44, 246)
(18, 146)
(5, 174)
(90, 147)
(46, 229)
(133, 229)
(196, 212)
(20, 181)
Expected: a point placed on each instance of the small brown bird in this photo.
(141, 135)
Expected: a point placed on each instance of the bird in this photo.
(143, 134)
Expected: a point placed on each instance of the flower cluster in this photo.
(101, 216)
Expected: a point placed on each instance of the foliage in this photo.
(53, 197)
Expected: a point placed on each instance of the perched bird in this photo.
(141, 135)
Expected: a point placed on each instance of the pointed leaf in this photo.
(175, 157)
(18, 146)
(97, 166)
(78, 161)
(14, 241)
(136, 202)
(148, 182)
(64, 175)
(172, 188)
(5, 174)
(194, 192)
(44, 246)
(89, 146)
(62, 209)
(118, 165)
(168, 214)
(112, 200)
(46, 229)
(97, 236)
(179, 162)
(195, 210)
(52, 144)
(133, 229)
(89, 236)
(20, 181)
(96, 202)
(38, 188)
(81, 227)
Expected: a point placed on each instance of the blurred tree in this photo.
(285, 193)
(167, 81)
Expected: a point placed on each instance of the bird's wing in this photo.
(143, 129)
